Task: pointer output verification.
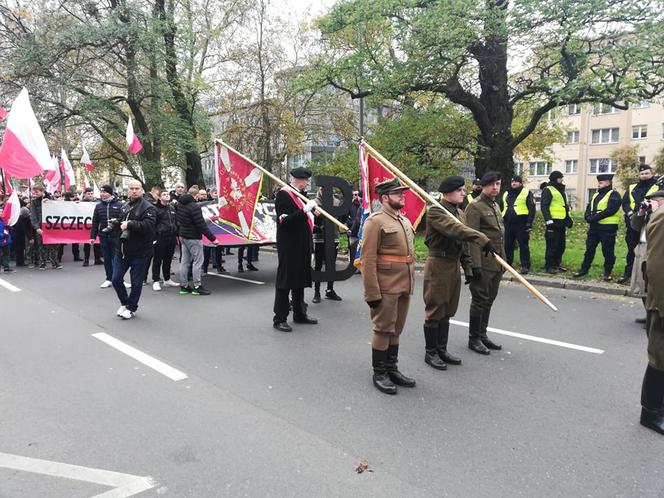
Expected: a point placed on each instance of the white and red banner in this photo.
(65, 222)
(85, 160)
(239, 184)
(11, 210)
(53, 178)
(135, 145)
(70, 176)
(5, 185)
(24, 152)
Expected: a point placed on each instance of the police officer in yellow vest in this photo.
(603, 215)
(555, 209)
(473, 194)
(518, 210)
(631, 201)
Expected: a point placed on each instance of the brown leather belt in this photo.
(388, 258)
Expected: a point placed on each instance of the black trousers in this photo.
(252, 254)
(282, 304)
(18, 246)
(164, 250)
(608, 240)
(319, 262)
(207, 251)
(632, 238)
(555, 237)
(516, 231)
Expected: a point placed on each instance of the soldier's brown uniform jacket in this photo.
(483, 215)
(448, 250)
(388, 268)
(655, 289)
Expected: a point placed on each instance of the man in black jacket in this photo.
(555, 209)
(134, 246)
(110, 208)
(631, 201)
(43, 251)
(192, 227)
(603, 216)
(164, 248)
(295, 226)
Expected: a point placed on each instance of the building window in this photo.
(539, 168)
(571, 166)
(573, 137)
(574, 109)
(642, 159)
(604, 109)
(640, 131)
(518, 168)
(603, 165)
(605, 136)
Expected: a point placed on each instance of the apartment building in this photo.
(593, 132)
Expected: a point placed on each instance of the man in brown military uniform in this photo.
(446, 239)
(652, 393)
(484, 215)
(388, 275)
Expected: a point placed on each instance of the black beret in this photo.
(643, 167)
(301, 172)
(604, 177)
(489, 178)
(451, 183)
(517, 178)
(659, 193)
(555, 175)
(107, 188)
(388, 186)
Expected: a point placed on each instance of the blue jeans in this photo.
(137, 266)
(108, 245)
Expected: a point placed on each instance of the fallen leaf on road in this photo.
(364, 465)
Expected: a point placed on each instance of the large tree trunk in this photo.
(495, 141)
(194, 173)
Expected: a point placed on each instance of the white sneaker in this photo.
(106, 284)
(126, 314)
(121, 310)
(127, 285)
(170, 283)
(156, 286)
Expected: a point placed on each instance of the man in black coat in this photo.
(294, 244)
(110, 208)
(134, 246)
(164, 248)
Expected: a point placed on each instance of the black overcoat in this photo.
(294, 244)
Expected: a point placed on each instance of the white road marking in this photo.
(534, 338)
(124, 485)
(257, 282)
(9, 286)
(146, 359)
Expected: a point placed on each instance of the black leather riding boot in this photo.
(393, 372)
(443, 336)
(474, 331)
(485, 340)
(652, 398)
(381, 380)
(431, 348)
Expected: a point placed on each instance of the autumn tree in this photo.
(493, 56)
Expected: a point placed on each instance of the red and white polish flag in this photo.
(11, 210)
(4, 183)
(53, 177)
(86, 161)
(24, 152)
(134, 143)
(70, 176)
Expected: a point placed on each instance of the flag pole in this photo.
(278, 180)
(430, 199)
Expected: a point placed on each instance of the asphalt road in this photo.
(263, 413)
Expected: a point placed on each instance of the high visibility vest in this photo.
(520, 206)
(632, 202)
(615, 218)
(558, 203)
(469, 198)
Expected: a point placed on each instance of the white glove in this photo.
(550, 222)
(310, 206)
